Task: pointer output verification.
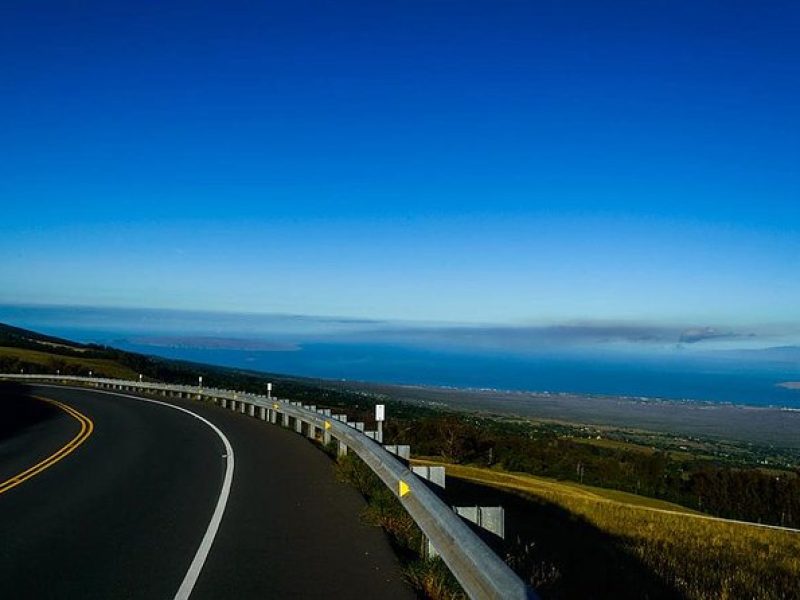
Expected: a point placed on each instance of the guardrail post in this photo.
(402, 451)
(263, 413)
(434, 474)
(427, 548)
(490, 518)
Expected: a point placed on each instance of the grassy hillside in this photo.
(545, 486)
(48, 362)
(17, 337)
(696, 557)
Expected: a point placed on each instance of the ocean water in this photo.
(705, 378)
(327, 348)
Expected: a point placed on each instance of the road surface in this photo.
(122, 510)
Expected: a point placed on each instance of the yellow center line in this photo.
(87, 426)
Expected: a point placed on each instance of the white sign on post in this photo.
(380, 412)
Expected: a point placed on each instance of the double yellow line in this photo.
(86, 430)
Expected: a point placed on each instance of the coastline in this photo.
(770, 425)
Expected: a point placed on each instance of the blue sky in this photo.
(473, 162)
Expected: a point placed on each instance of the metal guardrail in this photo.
(477, 568)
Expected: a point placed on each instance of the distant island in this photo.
(790, 385)
(214, 343)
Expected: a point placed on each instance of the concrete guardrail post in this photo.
(341, 449)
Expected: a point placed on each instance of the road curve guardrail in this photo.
(477, 568)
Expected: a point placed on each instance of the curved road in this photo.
(122, 514)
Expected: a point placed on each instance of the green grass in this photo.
(633, 447)
(613, 444)
(48, 362)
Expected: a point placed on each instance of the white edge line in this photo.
(190, 579)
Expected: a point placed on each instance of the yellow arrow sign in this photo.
(403, 486)
(327, 425)
(275, 406)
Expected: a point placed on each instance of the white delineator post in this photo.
(380, 417)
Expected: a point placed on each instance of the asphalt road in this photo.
(123, 514)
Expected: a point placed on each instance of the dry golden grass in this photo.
(547, 487)
(700, 558)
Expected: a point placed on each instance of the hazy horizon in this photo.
(584, 334)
